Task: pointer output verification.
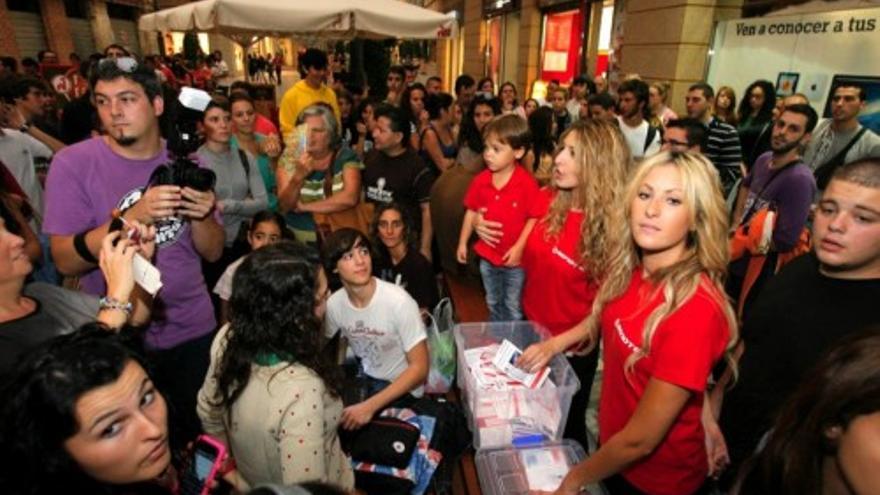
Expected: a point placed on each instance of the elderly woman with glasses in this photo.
(317, 174)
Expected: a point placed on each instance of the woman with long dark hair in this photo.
(825, 439)
(755, 110)
(470, 136)
(270, 394)
(438, 143)
(412, 102)
(539, 160)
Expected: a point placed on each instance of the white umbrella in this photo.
(243, 20)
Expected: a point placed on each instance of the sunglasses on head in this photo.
(125, 64)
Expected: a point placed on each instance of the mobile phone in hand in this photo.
(203, 466)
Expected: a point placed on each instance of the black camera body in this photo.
(183, 173)
(182, 141)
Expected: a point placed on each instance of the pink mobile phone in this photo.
(207, 458)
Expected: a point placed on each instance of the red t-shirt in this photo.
(512, 205)
(264, 126)
(684, 348)
(557, 292)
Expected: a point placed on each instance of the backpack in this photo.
(649, 137)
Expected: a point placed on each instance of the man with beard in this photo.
(90, 180)
(841, 139)
(781, 181)
(642, 138)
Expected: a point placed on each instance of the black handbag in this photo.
(385, 441)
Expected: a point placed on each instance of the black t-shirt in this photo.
(798, 317)
(414, 273)
(403, 178)
(58, 311)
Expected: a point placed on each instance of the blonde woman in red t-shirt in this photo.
(665, 322)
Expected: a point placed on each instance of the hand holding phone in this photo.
(208, 455)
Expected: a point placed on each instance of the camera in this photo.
(183, 140)
(183, 173)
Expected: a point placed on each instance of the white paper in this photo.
(545, 469)
(146, 275)
(504, 360)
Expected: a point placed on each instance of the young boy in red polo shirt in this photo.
(504, 192)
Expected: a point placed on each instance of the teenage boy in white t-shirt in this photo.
(380, 321)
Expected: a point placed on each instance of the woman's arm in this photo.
(209, 412)
(431, 144)
(427, 233)
(290, 177)
(655, 414)
(348, 197)
(362, 138)
(536, 356)
(413, 376)
(258, 199)
(116, 263)
(467, 228)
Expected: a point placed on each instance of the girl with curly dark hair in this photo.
(755, 110)
(270, 394)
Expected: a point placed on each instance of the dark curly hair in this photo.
(541, 125)
(39, 409)
(469, 135)
(404, 101)
(410, 237)
(272, 313)
(765, 113)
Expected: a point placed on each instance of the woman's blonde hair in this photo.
(662, 88)
(604, 160)
(703, 265)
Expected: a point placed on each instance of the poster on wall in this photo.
(870, 115)
(562, 45)
(786, 83)
(813, 44)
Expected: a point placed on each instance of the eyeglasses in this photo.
(125, 64)
(672, 142)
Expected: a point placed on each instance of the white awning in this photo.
(243, 20)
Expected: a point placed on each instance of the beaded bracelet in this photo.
(110, 303)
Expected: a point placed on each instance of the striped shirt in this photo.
(724, 151)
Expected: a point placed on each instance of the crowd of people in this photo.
(708, 277)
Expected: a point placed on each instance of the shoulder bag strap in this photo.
(823, 172)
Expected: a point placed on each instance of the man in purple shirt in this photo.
(90, 179)
(781, 181)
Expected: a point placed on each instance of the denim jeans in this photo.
(503, 286)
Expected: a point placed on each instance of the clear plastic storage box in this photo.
(515, 471)
(518, 417)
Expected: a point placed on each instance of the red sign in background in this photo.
(563, 39)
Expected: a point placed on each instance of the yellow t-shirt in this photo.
(299, 97)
